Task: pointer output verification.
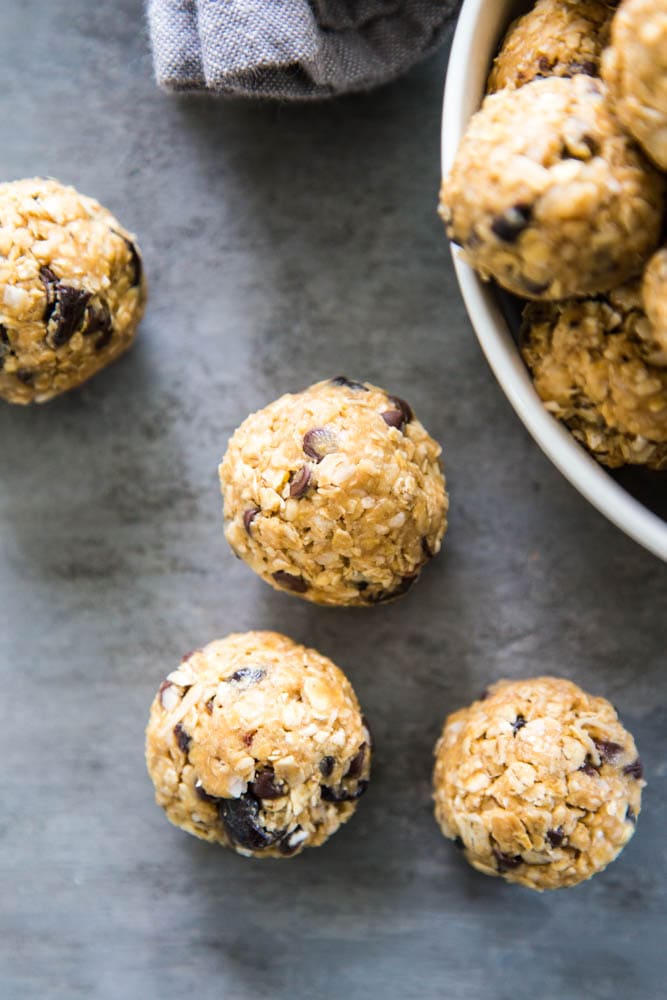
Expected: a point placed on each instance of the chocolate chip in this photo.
(319, 442)
(534, 287)
(635, 770)
(426, 549)
(24, 375)
(484, 695)
(297, 584)
(389, 595)
(518, 724)
(5, 347)
(506, 862)
(265, 786)
(360, 584)
(240, 818)
(511, 223)
(357, 763)
(459, 843)
(556, 837)
(589, 768)
(99, 321)
(246, 676)
(348, 383)
(631, 815)
(292, 841)
(299, 482)
(248, 738)
(544, 64)
(249, 516)
(394, 418)
(182, 737)
(585, 66)
(65, 308)
(608, 750)
(201, 793)
(405, 408)
(136, 266)
(327, 766)
(341, 795)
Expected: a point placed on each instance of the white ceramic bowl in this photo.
(480, 27)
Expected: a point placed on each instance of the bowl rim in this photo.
(475, 32)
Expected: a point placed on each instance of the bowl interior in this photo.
(632, 498)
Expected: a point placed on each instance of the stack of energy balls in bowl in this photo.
(557, 194)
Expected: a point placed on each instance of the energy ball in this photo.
(555, 38)
(635, 70)
(258, 744)
(654, 298)
(71, 289)
(335, 494)
(590, 360)
(539, 783)
(548, 195)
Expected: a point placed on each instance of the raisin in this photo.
(240, 818)
(182, 738)
(289, 581)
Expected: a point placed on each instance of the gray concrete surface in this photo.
(282, 245)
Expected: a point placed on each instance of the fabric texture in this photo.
(291, 49)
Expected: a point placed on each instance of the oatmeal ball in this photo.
(335, 494)
(635, 69)
(548, 195)
(71, 289)
(258, 744)
(539, 783)
(555, 38)
(591, 365)
(654, 298)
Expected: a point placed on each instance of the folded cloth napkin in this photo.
(291, 49)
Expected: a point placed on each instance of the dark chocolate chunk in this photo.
(589, 768)
(544, 64)
(65, 308)
(299, 482)
(388, 595)
(635, 770)
(249, 516)
(631, 815)
(182, 737)
(319, 442)
(99, 321)
(584, 66)
(201, 793)
(247, 676)
(426, 549)
(609, 751)
(240, 818)
(556, 837)
(459, 843)
(348, 383)
(369, 732)
(518, 723)
(24, 375)
(361, 584)
(265, 785)
(357, 763)
(327, 766)
(405, 408)
(511, 223)
(290, 582)
(341, 795)
(5, 347)
(394, 418)
(506, 862)
(136, 266)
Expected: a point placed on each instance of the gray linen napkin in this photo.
(291, 49)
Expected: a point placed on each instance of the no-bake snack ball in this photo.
(71, 289)
(258, 744)
(635, 69)
(548, 195)
(539, 783)
(590, 360)
(555, 38)
(335, 494)
(654, 298)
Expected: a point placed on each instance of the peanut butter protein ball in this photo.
(539, 783)
(335, 494)
(654, 298)
(548, 194)
(258, 744)
(555, 38)
(71, 289)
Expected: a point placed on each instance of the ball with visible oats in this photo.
(598, 366)
(538, 782)
(654, 300)
(549, 195)
(71, 289)
(635, 69)
(555, 38)
(335, 494)
(258, 744)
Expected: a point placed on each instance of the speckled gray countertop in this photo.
(282, 245)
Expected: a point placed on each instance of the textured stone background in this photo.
(282, 245)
